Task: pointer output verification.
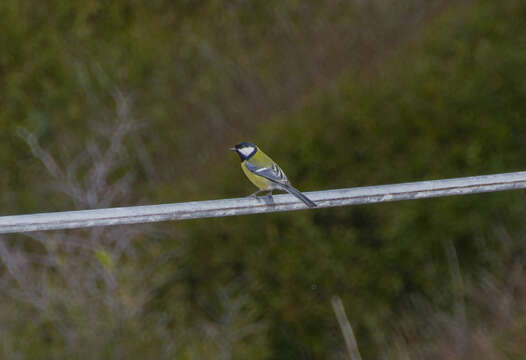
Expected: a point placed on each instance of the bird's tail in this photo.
(300, 196)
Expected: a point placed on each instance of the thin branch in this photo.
(345, 326)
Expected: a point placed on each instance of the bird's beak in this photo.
(233, 149)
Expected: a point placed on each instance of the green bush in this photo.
(449, 106)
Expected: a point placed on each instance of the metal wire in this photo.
(242, 206)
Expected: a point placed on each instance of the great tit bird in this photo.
(263, 172)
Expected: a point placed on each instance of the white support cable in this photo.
(246, 205)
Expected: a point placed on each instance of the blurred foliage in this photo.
(191, 68)
(205, 73)
(450, 106)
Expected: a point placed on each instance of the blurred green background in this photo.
(131, 102)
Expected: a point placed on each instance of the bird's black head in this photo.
(245, 150)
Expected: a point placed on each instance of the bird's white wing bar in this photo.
(273, 173)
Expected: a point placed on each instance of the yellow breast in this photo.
(259, 181)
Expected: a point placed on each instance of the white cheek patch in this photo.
(246, 151)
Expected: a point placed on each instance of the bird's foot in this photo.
(269, 194)
(255, 195)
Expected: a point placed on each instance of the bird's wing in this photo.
(272, 173)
